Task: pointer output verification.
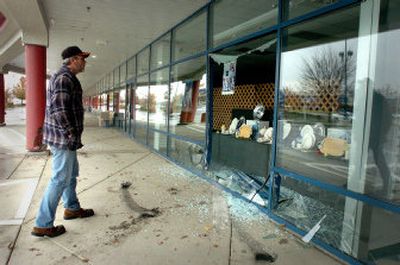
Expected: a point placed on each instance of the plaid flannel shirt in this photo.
(63, 124)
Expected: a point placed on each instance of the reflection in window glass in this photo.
(116, 76)
(103, 102)
(141, 98)
(160, 51)
(383, 166)
(141, 134)
(110, 80)
(188, 154)
(103, 85)
(190, 37)
(304, 205)
(188, 99)
(122, 73)
(131, 108)
(317, 80)
(294, 8)
(111, 101)
(254, 82)
(158, 141)
(122, 102)
(233, 19)
(143, 61)
(131, 68)
(116, 102)
(141, 108)
(158, 100)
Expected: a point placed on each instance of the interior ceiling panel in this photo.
(112, 30)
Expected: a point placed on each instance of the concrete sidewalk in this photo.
(194, 222)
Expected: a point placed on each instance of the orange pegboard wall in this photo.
(245, 97)
(322, 100)
(248, 96)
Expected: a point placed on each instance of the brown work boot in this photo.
(48, 231)
(81, 213)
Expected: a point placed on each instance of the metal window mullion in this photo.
(209, 97)
(276, 108)
(169, 91)
(148, 99)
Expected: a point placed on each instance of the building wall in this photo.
(334, 151)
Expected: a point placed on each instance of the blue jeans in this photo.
(65, 169)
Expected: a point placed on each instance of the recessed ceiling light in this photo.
(93, 56)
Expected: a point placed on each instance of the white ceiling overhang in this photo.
(112, 30)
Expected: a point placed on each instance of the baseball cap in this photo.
(73, 51)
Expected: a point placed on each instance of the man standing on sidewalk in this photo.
(63, 128)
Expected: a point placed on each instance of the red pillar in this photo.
(195, 96)
(35, 70)
(116, 100)
(95, 102)
(2, 101)
(108, 102)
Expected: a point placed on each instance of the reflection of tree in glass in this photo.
(176, 103)
(9, 97)
(143, 103)
(202, 98)
(152, 103)
(327, 71)
(19, 89)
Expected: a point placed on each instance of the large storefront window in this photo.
(143, 61)
(337, 124)
(116, 77)
(158, 100)
(111, 101)
(383, 165)
(232, 19)
(294, 8)
(122, 101)
(131, 112)
(141, 108)
(160, 52)
(188, 154)
(103, 102)
(243, 79)
(122, 73)
(188, 100)
(131, 68)
(190, 37)
(374, 240)
(316, 97)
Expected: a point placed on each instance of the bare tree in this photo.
(329, 75)
(329, 71)
(9, 97)
(19, 89)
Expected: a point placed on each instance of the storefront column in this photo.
(95, 102)
(108, 102)
(195, 96)
(35, 67)
(116, 102)
(2, 101)
(358, 215)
